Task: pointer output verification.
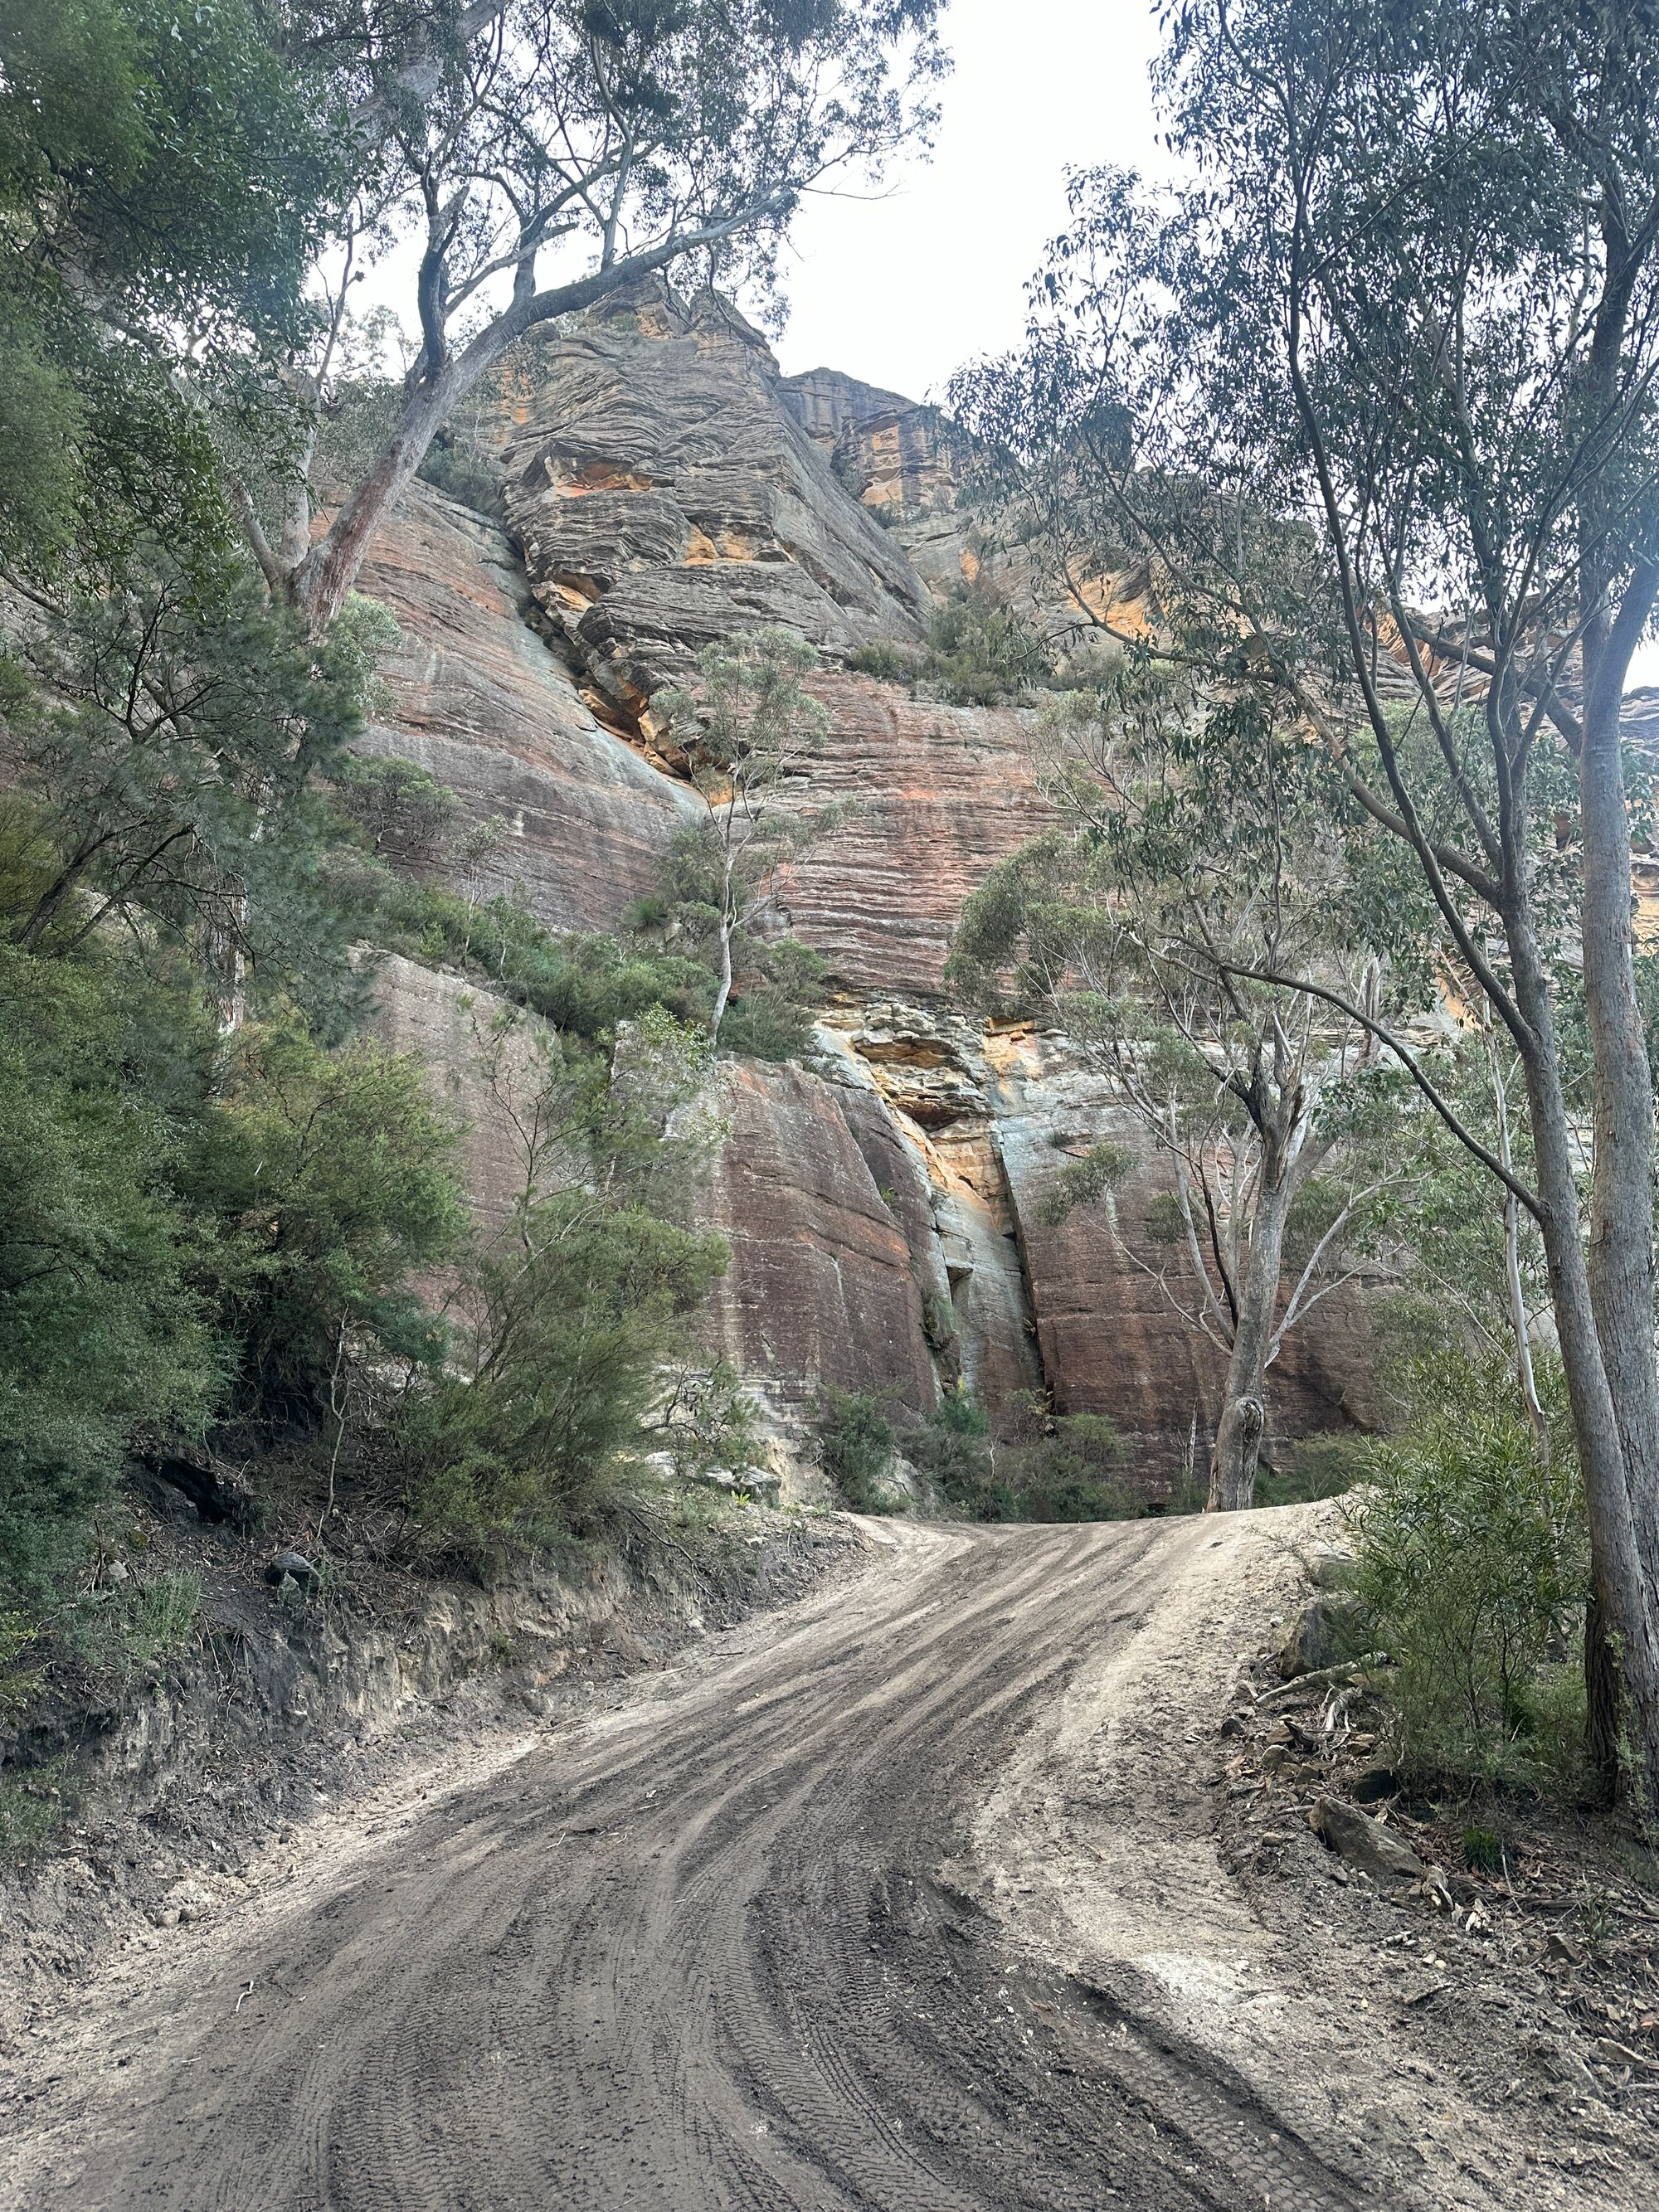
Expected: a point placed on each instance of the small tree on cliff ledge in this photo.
(1410, 296)
(1197, 853)
(750, 730)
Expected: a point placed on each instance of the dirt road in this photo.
(780, 1933)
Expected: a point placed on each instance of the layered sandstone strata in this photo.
(576, 819)
(663, 498)
(885, 1207)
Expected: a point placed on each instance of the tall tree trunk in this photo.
(1237, 1450)
(1621, 1255)
(321, 581)
(1620, 1262)
(1624, 1586)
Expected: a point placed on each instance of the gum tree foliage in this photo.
(331, 1175)
(523, 159)
(101, 1328)
(1374, 392)
(194, 196)
(166, 178)
(161, 745)
(1197, 853)
(749, 729)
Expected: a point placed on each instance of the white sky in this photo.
(903, 289)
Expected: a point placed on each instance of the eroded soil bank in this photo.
(924, 1893)
(183, 1787)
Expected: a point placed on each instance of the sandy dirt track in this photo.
(800, 1926)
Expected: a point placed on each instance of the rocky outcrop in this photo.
(478, 698)
(892, 455)
(929, 1073)
(663, 498)
(485, 1075)
(838, 1276)
(886, 1208)
(905, 463)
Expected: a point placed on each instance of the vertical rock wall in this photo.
(886, 1210)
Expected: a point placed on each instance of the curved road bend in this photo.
(708, 1952)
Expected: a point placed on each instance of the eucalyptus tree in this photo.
(167, 177)
(1370, 395)
(516, 160)
(750, 730)
(1197, 855)
(196, 197)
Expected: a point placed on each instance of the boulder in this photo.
(1329, 1628)
(1330, 1567)
(759, 1482)
(1363, 1842)
(294, 1567)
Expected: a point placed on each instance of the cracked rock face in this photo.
(481, 701)
(885, 1207)
(664, 496)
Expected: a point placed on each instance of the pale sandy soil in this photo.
(915, 1895)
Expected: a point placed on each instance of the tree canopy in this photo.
(1366, 403)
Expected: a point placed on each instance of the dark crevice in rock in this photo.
(1016, 1236)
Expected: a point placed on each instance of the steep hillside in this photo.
(662, 486)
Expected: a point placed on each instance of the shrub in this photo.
(584, 984)
(1483, 1851)
(978, 653)
(952, 1446)
(764, 1023)
(576, 1315)
(331, 1174)
(1073, 1475)
(1324, 1466)
(34, 1807)
(101, 1329)
(393, 806)
(465, 474)
(1088, 1181)
(856, 1445)
(771, 1017)
(1471, 1558)
(161, 1616)
(887, 662)
(1055, 1469)
(710, 1421)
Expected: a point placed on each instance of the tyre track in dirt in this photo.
(720, 1949)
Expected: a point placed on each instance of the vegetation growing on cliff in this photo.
(978, 653)
(750, 729)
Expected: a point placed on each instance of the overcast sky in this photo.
(903, 289)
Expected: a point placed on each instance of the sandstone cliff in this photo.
(663, 486)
